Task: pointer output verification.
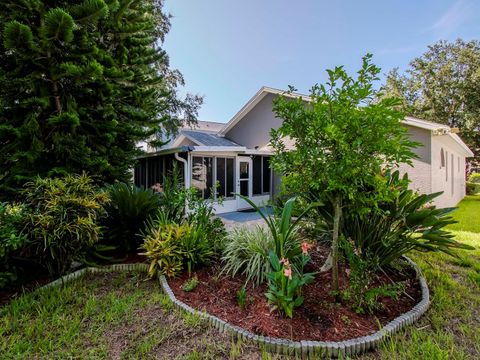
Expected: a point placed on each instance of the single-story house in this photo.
(236, 156)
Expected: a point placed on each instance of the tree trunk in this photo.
(336, 224)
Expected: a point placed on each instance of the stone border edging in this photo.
(276, 345)
(317, 348)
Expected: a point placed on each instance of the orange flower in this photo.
(305, 247)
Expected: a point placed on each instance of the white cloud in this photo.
(455, 16)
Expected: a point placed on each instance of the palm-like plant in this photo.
(283, 228)
(398, 226)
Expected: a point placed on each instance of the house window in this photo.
(208, 171)
(442, 158)
(261, 175)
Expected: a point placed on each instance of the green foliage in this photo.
(190, 285)
(362, 297)
(473, 184)
(174, 197)
(472, 188)
(163, 249)
(246, 252)
(11, 239)
(474, 178)
(81, 84)
(343, 137)
(442, 85)
(284, 285)
(398, 225)
(172, 247)
(62, 220)
(127, 213)
(242, 298)
(197, 247)
(282, 228)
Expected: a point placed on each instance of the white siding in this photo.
(449, 178)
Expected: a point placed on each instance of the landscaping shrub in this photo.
(171, 247)
(246, 252)
(472, 188)
(62, 220)
(362, 297)
(474, 178)
(11, 239)
(127, 213)
(473, 184)
(174, 197)
(403, 223)
(163, 249)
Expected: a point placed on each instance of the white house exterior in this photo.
(235, 155)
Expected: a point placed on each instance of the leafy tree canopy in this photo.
(443, 85)
(81, 84)
(343, 139)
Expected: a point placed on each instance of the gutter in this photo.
(174, 150)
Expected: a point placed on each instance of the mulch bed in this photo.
(319, 318)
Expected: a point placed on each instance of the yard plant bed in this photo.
(320, 318)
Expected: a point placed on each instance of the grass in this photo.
(124, 316)
(451, 327)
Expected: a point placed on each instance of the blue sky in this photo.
(228, 49)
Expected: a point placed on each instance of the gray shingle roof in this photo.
(208, 139)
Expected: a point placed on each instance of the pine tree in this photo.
(81, 83)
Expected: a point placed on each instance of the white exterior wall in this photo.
(420, 174)
(449, 178)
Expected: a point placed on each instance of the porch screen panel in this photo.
(198, 180)
(208, 166)
(230, 177)
(266, 174)
(257, 175)
(221, 177)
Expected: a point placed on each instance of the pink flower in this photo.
(285, 262)
(157, 187)
(305, 247)
(288, 273)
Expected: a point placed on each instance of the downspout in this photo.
(185, 175)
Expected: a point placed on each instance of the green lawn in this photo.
(123, 316)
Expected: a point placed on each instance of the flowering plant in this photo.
(284, 285)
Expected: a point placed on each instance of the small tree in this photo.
(343, 139)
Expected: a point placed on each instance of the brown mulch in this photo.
(319, 318)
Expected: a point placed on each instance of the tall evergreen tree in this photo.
(81, 84)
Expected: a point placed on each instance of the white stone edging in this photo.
(316, 348)
(276, 345)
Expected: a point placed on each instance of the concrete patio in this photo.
(247, 218)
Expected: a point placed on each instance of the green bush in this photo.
(472, 188)
(474, 178)
(163, 249)
(246, 252)
(12, 239)
(127, 213)
(63, 219)
(172, 247)
(394, 228)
